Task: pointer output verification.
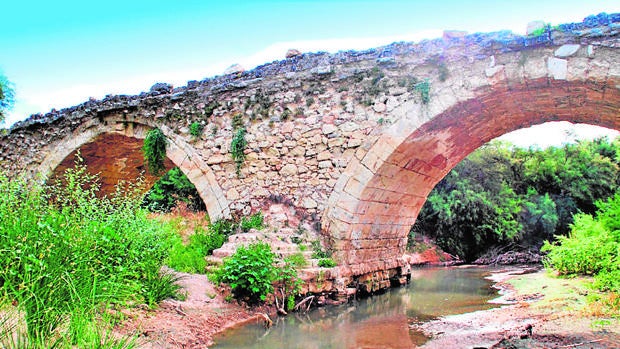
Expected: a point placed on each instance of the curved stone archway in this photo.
(178, 152)
(378, 198)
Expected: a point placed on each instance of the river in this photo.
(381, 321)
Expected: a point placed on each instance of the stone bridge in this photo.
(353, 141)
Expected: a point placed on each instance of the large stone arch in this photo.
(180, 153)
(377, 199)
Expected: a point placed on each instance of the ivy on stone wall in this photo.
(154, 150)
(237, 148)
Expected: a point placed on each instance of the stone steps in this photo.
(280, 242)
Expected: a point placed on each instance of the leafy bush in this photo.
(297, 260)
(318, 251)
(223, 226)
(190, 258)
(250, 272)
(255, 221)
(66, 253)
(424, 87)
(327, 263)
(154, 150)
(196, 128)
(592, 248)
(288, 281)
(169, 190)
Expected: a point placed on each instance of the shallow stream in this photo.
(381, 321)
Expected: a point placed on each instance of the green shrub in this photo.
(424, 88)
(327, 263)
(288, 282)
(255, 221)
(250, 272)
(195, 129)
(190, 258)
(318, 251)
(154, 150)
(297, 260)
(223, 226)
(592, 248)
(169, 190)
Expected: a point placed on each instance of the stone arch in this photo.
(378, 198)
(178, 151)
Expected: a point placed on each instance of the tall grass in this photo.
(68, 255)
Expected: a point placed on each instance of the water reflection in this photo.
(378, 322)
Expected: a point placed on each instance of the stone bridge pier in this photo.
(354, 141)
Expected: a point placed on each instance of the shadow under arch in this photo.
(378, 198)
(178, 151)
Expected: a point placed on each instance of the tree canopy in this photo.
(501, 195)
(7, 96)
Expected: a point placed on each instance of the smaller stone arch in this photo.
(179, 152)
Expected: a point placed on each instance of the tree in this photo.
(170, 189)
(502, 195)
(7, 96)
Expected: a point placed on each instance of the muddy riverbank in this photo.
(539, 311)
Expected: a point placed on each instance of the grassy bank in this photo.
(572, 303)
(71, 259)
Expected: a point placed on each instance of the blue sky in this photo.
(60, 53)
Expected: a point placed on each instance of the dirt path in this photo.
(190, 323)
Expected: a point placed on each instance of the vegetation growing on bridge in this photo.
(503, 197)
(195, 129)
(237, 148)
(154, 150)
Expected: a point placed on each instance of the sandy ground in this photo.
(543, 312)
(190, 323)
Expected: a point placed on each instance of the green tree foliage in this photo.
(169, 190)
(501, 195)
(592, 247)
(7, 96)
(154, 150)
